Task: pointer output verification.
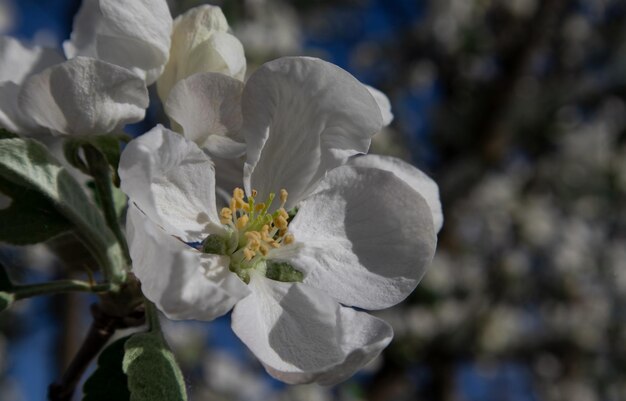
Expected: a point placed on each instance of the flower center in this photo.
(254, 233)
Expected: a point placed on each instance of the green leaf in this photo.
(28, 164)
(30, 218)
(118, 198)
(108, 382)
(153, 374)
(106, 191)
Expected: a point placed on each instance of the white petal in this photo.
(83, 96)
(365, 238)
(301, 118)
(17, 62)
(223, 146)
(383, 103)
(201, 43)
(416, 179)
(301, 335)
(208, 105)
(231, 52)
(173, 183)
(132, 34)
(10, 117)
(228, 176)
(182, 282)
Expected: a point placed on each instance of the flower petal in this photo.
(301, 118)
(182, 282)
(365, 238)
(201, 43)
(83, 96)
(301, 335)
(10, 117)
(383, 103)
(132, 34)
(173, 182)
(228, 176)
(208, 106)
(17, 62)
(420, 182)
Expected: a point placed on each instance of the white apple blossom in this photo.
(201, 42)
(83, 96)
(115, 50)
(132, 34)
(363, 233)
(113, 47)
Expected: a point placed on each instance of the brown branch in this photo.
(102, 329)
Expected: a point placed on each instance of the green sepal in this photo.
(153, 374)
(283, 271)
(6, 299)
(214, 244)
(108, 381)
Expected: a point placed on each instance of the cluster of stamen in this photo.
(255, 231)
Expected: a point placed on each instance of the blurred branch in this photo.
(102, 329)
(55, 287)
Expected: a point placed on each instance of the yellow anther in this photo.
(282, 232)
(264, 249)
(250, 235)
(238, 193)
(242, 221)
(254, 244)
(283, 213)
(265, 233)
(245, 207)
(233, 206)
(226, 215)
(248, 254)
(283, 196)
(254, 193)
(259, 206)
(240, 203)
(280, 222)
(289, 238)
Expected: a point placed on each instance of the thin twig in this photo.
(102, 329)
(55, 287)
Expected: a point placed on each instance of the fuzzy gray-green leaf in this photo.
(108, 381)
(153, 374)
(28, 164)
(30, 218)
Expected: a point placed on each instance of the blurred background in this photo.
(517, 109)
